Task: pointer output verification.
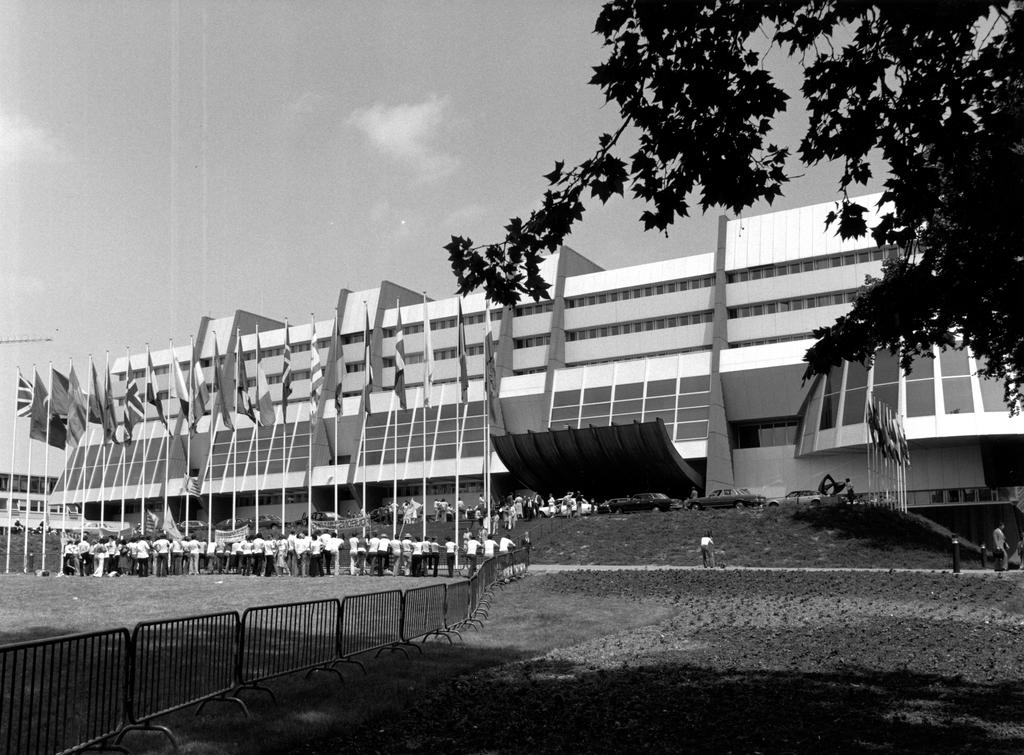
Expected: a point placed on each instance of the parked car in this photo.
(808, 496)
(724, 498)
(269, 522)
(192, 525)
(639, 502)
(560, 508)
(232, 524)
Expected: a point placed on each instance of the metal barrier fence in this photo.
(423, 612)
(283, 639)
(181, 662)
(370, 622)
(65, 693)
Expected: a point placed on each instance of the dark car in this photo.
(232, 524)
(639, 502)
(725, 498)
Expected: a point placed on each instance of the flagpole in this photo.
(28, 482)
(367, 391)
(339, 371)
(256, 432)
(234, 440)
(362, 463)
(145, 447)
(309, 452)
(188, 431)
(10, 485)
(46, 470)
(423, 454)
(67, 477)
(124, 474)
(81, 485)
(458, 454)
(487, 414)
(383, 453)
(213, 437)
(286, 367)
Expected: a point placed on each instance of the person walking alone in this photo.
(707, 550)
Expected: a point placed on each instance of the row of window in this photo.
(776, 339)
(631, 357)
(639, 326)
(526, 343)
(695, 385)
(638, 292)
(21, 483)
(808, 265)
(763, 434)
(791, 305)
(537, 308)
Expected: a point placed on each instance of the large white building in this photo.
(668, 375)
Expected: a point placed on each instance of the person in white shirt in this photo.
(316, 556)
(71, 558)
(416, 563)
(505, 544)
(332, 544)
(707, 550)
(405, 557)
(383, 554)
(176, 554)
(449, 555)
(84, 556)
(396, 555)
(236, 557)
(162, 549)
(489, 546)
(269, 551)
(472, 546)
(371, 553)
(292, 555)
(302, 544)
(99, 557)
(258, 555)
(193, 556)
(354, 566)
(142, 549)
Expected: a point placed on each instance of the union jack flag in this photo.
(24, 403)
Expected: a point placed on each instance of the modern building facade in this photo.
(668, 375)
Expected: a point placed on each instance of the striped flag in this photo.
(264, 402)
(316, 376)
(40, 416)
(24, 401)
(367, 364)
(245, 405)
(133, 409)
(491, 374)
(152, 396)
(95, 396)
(463, 372)
(179, 388)
(199, 395)
(286, 374)
(400, 359)
(428, 356)
(339, 365)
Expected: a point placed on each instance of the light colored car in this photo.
(807, 496)
(560, 508)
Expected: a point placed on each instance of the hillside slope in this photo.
(797, 536)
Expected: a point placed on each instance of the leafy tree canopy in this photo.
(936, 87)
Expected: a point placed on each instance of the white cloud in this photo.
(22, 141)
(407, 133)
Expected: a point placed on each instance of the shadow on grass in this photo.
(666, 706)
(880, 527)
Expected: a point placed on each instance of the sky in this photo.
(161, 161)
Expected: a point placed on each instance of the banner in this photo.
(231, 536)
(354, 521)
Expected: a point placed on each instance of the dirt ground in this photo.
(748, 662)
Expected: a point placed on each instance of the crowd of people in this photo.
(299, 554)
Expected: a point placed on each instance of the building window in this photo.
(817, 263)
(638, 292)
(764, 434)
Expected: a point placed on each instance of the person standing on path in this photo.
(707, 550)
(999, 539)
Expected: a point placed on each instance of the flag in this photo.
(339, 365)
(244, 405)
(59, 406)
(223, 397)
(199, 394)
(491, 374)
(24, 400)
(166, 523)
(192, 486)
(37, 412)
(316, 376)
(264, 403)
(367, 365)
(400, 360)
(59, 398)
(151, 392)
(109, 415)
(428, 357)
(463, 373)
(179, 389)
(134, 411)
(286, 375)
(78, 410)
(95, 395)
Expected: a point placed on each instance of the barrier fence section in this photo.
(423, 612)
(285, 638)
(372, 621)
(64, 694)
(61, 694)
(181, 662)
